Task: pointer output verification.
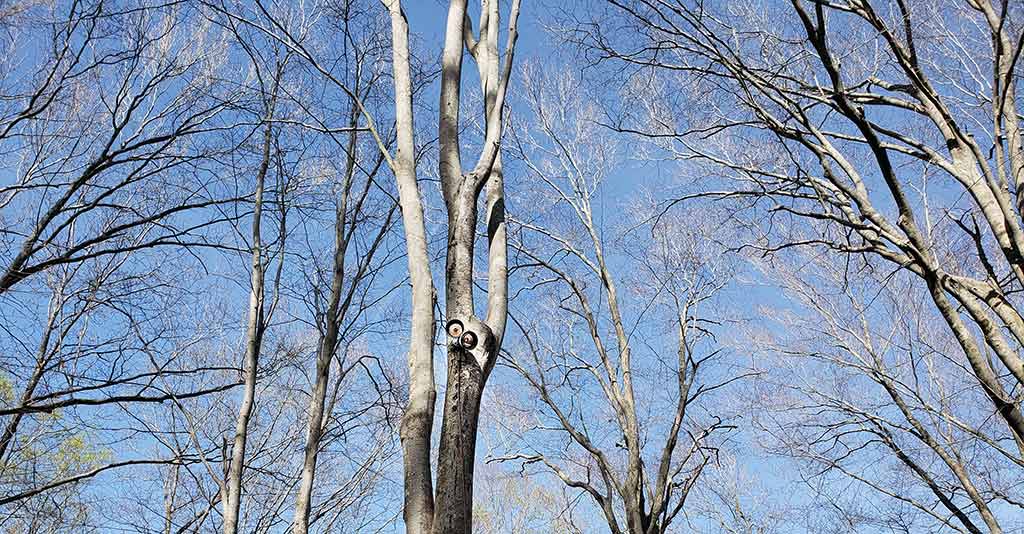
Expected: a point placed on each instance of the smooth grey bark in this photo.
(448, 509)
(256, 328)
(468, 370)
(418, 419)
(330, 324)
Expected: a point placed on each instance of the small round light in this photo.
(454, 328)
(468, 340)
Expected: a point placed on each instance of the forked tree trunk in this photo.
(450, 509)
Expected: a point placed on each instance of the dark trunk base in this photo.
(453, 504)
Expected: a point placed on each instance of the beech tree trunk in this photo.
(454, 499)
(450, 509)
(418, 419)
(330, 324)
(257, 324)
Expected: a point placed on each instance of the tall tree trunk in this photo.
(303, 500)
(456, 456)
(467, 374)
(418, 419)
(254, 331)
(328, 340)
(449, 510)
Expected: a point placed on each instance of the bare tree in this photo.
(830, 122)
(108, 118)
(150, 148)
(475, 343)
(471, 355)
(259, 312)
(339, 301)
(592, 353)
(99, 121)
(866, 386)
(888, 135)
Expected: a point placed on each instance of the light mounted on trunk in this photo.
(468, 340)
(455, 328)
